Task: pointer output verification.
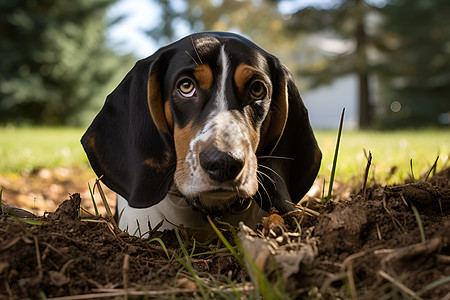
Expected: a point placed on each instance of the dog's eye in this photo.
(258, 90)
(186, 88)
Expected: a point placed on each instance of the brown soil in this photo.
(366, 246)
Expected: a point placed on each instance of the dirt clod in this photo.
(368, 246)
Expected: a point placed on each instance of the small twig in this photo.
(10, 244)
(351, 280)
(8, 289)
(53, 248)
(92, 296)
(411, 251)
(399, 284)
(66, 265)
(108, 223)
(379, 232)
(244, 288)
(383, 251)
(38, 259)
(126, 265)
(366, 172)
(331, 278)
(403, 199)
(105, 203)
(352, 257)
(397, 224)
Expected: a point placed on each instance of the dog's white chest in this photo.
(176, 212)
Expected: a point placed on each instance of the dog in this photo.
(209, 125)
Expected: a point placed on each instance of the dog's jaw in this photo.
(174, 211)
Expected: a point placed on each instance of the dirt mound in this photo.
(390, 242)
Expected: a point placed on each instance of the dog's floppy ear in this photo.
(129, 143)
(288, 152)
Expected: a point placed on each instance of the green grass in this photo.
(26, 149)
(29, 148)
(389, 150)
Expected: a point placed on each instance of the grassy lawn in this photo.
(390, 151)
(26, 149)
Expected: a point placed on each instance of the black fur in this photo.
(123, 135)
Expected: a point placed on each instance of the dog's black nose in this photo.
(221, 166)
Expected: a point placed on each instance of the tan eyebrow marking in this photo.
(243, 74)
(204, 77)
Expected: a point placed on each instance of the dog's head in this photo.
(212, 115)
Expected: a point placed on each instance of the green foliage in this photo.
(417, 74)
(54, 65)
(259, 20)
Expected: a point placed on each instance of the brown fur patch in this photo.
(155, 103)
(158, 165)
(90, 142)
(204, 76)
(91, 147)
(243, 74)
(253, 133)
(168, 114)
(183, 137)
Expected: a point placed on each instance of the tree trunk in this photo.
(365, 108)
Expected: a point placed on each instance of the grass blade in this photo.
(264, 287)
(412, 170)
(187, 264)
(419, 222)
(225, 241)
(433, 169)
(366, 172)
(28, 221)
(433, 285)
(93, 200)
(336, 151)
(162, 245)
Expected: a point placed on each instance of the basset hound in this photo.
(209, 125)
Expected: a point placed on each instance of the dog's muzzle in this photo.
(221, 166)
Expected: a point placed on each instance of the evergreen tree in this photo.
(417, 69)
(279, 34)
(346, 20)
(258, 20)
(53, 61)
